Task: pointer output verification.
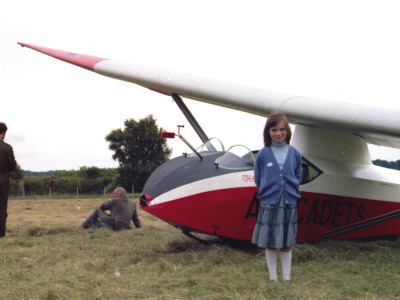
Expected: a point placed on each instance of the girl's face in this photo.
(278, 133)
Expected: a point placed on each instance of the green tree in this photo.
(65, 173)
(90, 172)
(387, 164)
(139, 150)
(17, 174)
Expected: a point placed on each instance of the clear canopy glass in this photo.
(212, 146)
(237, 157)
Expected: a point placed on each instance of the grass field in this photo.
(46, 255)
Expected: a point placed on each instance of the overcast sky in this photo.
(58, 115)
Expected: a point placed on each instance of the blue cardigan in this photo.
(272, 182)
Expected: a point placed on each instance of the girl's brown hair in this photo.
(273, 119)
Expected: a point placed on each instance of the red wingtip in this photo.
(80, 60)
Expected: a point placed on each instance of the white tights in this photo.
(286, 262)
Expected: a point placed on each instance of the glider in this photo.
(212, 190)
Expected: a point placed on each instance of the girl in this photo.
(277, 176)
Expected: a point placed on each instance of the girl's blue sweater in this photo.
(274, 183)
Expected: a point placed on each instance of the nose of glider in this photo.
(145, 199)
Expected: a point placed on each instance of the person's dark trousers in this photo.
(98, 213)
(89, 221)
(4, 190)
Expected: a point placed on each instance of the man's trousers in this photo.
(4, 190)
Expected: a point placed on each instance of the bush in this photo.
(36, 185)
(66, 185)
(89, 180)
(15, 189)
(92, 186)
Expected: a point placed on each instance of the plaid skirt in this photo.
(276, 226)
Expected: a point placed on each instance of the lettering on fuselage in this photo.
(248, 178)
(334, 213)
(252, 211)
(320, 212)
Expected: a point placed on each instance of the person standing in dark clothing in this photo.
(7, 164)
(123, 210)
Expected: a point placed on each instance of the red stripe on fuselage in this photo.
(232, 213)
(80, 60)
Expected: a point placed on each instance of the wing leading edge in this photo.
(377, 125)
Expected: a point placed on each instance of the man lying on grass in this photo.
(123, 210)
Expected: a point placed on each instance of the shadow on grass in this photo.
(240, 245)
(179, 246)
(41, 231)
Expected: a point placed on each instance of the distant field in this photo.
(46, 255)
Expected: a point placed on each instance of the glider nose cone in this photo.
(144, 200)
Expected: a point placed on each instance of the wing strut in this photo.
(362, 224)
(178, 100)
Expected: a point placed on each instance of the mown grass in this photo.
(46, 255)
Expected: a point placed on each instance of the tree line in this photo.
(86, 180)
(387, 164)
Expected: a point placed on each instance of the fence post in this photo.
(133, 192)
(50, 192)
(77, 193)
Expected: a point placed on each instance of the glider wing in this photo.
(377, 125)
